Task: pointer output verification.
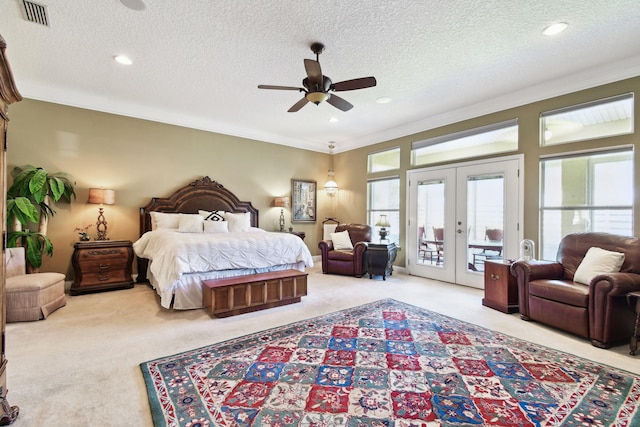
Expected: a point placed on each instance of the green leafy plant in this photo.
(28, 203)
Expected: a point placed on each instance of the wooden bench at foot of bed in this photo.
(242, 294)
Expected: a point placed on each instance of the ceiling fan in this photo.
(317, 86)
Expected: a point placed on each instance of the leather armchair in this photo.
(598, 311)
(347, 262)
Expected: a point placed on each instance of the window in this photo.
(491, 139)
(585, 192)
(597, 119)
(383, 197)
(384, 160)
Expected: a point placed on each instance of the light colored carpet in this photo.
(79, 367)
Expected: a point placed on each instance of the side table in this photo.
(380, 259)
(101, 265)
(500, 287)
(300, 234)
(633, 298)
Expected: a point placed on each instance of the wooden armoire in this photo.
(8, 95)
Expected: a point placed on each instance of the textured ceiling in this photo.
(197, 63)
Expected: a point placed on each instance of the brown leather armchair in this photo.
(598, 311)
(347, 262)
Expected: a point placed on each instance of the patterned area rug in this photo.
(386, 364)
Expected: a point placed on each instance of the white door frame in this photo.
(514, 214)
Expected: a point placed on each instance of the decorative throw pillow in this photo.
(190, 223)
(212, 215)
(238, 221)
(216, 227)
(164, 220)
(341, 240)
(597, 261)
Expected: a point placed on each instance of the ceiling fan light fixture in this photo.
(317, 97)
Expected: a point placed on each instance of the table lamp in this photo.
(384, 223)
(281, 202)
(101, 196)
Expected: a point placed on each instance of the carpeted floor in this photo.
(385, 363)
(80, 366)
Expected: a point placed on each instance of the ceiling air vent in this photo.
(34, 12)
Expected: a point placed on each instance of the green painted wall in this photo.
(141, 159)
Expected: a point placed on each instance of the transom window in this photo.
(597, 119)
(491, 139)
(384, 160)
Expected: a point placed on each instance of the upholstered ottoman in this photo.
(31, 296)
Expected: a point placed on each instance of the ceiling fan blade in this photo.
(279, 87)
(298, 105)
(354, 84)
(314, 72)
(339, 103)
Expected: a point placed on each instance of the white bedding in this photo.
(174, 255)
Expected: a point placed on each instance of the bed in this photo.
(175, 259)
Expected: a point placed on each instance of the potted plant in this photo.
(28, 203)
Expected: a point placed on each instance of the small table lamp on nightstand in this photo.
(383, 222)
(101, 196)
(281, 202)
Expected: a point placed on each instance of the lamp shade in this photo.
(281, 202)
(101, 196)
(331, 187)
(383, 221)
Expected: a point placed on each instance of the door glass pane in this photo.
(431, 222)
(485, 219)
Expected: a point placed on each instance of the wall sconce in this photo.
(100, 196)
(331, 187)
(383, 222)
(281, 202)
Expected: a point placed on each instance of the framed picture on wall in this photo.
(303, 200)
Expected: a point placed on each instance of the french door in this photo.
(462, 215)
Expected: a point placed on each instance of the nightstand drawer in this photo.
(103, 264)
(103, 277)
(102, 255)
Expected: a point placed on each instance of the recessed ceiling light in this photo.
(555, 28)
(134, 4)
(333, 119)
(125, 60)
(383, 100)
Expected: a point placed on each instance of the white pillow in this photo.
(164, 220)
(598, 261)
(190, 223)
(238, 221)
(212, 215)
(216, 227)
(341, 240)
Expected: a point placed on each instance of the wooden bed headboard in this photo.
(201, 194)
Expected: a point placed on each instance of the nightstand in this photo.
(500, 287)
(300, 234)
(102, 265)
(380, 258)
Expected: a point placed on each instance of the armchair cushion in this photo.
(341, 240)
(596, 261)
